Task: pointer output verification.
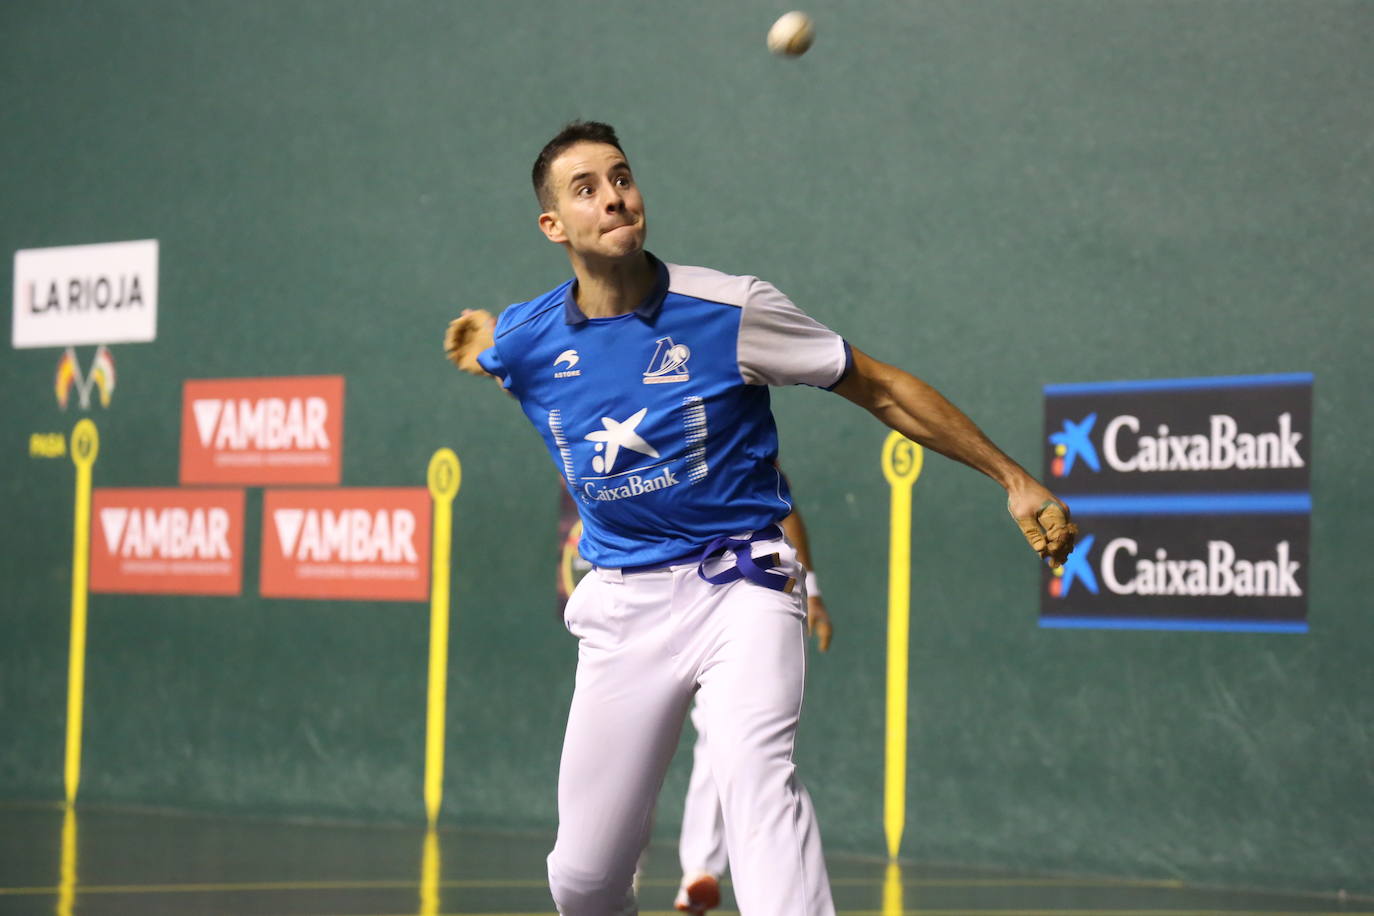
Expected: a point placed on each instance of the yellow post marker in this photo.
(893, 904)
(66, 886)
(85, 446)
(430, 870)
(445, 474)
(902, 460)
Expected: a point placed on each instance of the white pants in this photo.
(647, 642)
(701, 848)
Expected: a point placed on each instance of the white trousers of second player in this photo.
(701, 847)
(647, 643)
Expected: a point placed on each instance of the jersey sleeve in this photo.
(490, 360)
(779, 344)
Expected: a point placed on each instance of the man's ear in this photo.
(552, 227)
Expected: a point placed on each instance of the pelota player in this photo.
(648, 382)
(701, 843)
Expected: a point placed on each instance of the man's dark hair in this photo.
(573, 132)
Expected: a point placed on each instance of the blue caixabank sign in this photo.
(1193, 499)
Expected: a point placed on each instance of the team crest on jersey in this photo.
(669, 363)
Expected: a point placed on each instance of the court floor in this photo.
(103, 863)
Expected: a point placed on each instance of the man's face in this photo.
(597, 210)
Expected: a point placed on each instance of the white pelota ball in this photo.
(792, 34)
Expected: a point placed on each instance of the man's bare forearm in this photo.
(925, 416)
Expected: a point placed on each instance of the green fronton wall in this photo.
(995, 195)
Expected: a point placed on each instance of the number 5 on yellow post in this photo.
(902, 460)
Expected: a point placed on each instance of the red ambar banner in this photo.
(258, 431)
(362, 543)
(167, 541)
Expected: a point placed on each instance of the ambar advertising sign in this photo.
(85, 294)
(1193, 499)
(167, 541)
(257, 431)
(350, 543)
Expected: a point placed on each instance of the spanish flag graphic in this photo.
(66, 375)
(103, 375)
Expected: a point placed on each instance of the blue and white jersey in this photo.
(659, 418)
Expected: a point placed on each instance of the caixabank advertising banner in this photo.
(1193, 501)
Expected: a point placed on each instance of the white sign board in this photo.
(85, 294)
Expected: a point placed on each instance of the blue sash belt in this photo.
(755, 569)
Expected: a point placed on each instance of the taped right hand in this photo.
(468, 335)
(1047, 527)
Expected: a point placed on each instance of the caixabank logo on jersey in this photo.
(167, 541)
(1192, 496)
(349, 543)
